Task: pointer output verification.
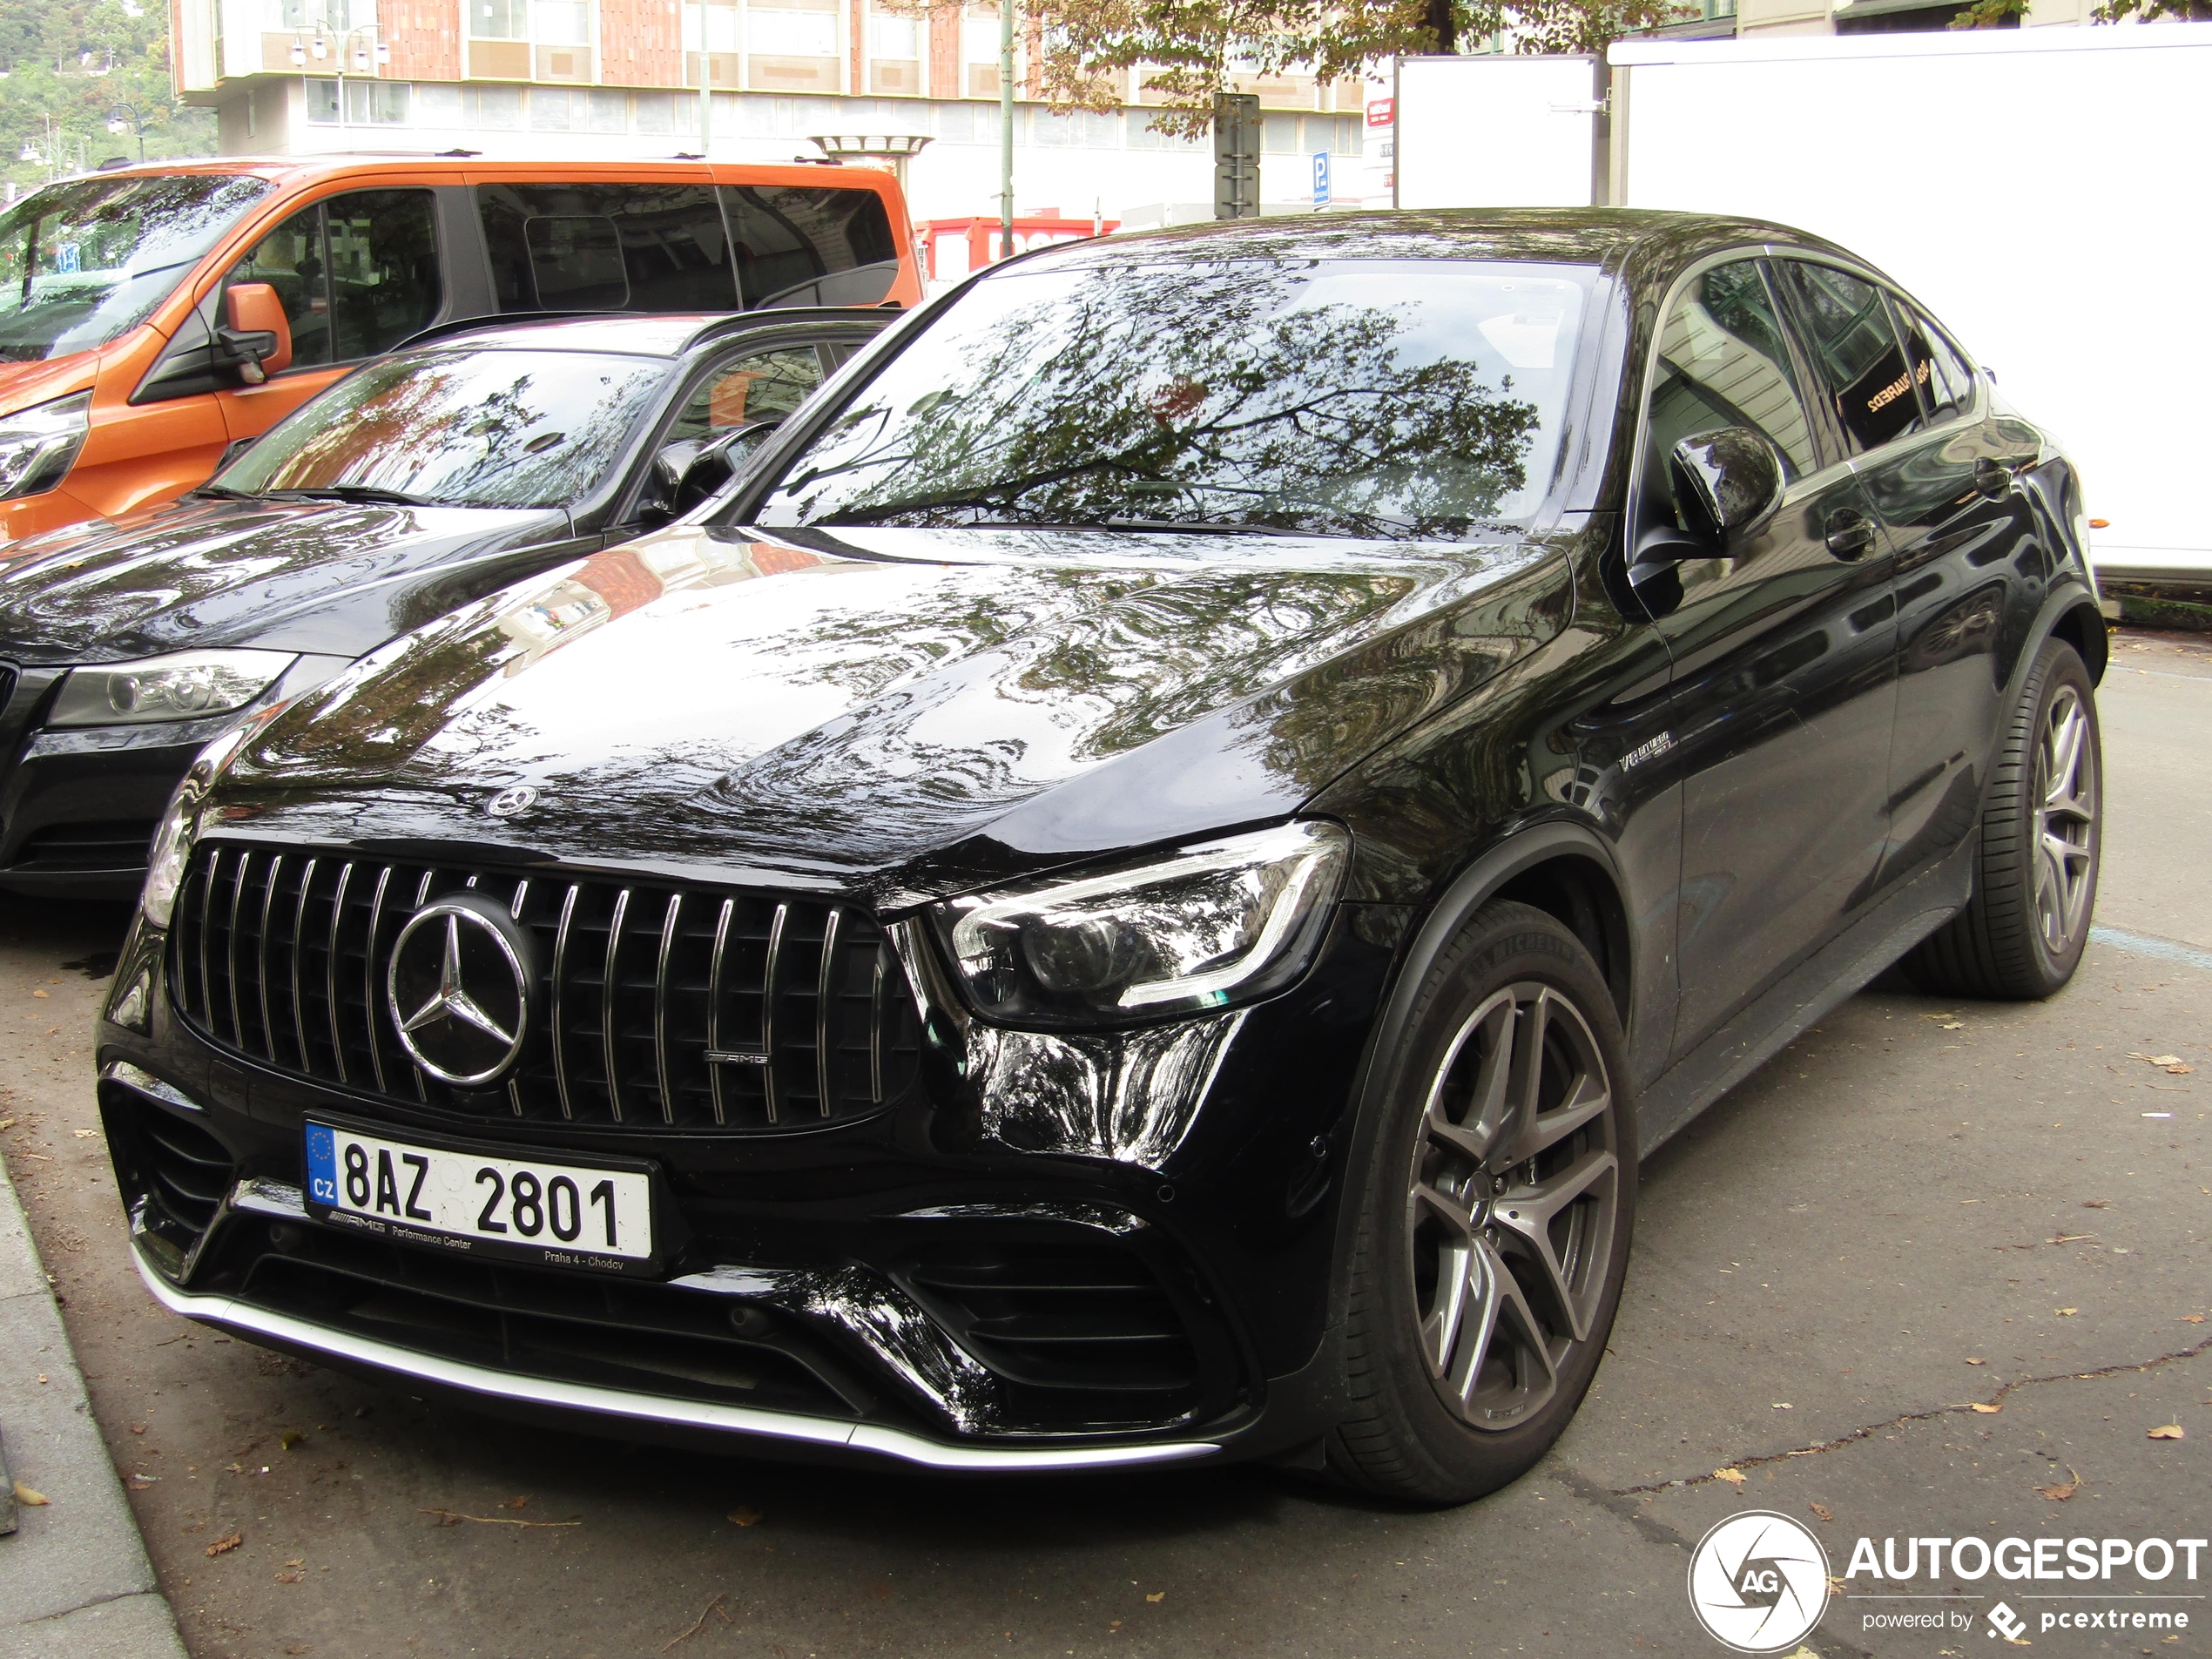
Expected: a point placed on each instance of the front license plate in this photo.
(535, 1209)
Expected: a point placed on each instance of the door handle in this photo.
(1993, 478)
(1851, 533)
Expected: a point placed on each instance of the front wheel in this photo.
(2035, 882)
(1495, 1214)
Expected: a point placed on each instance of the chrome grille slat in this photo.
(825, 988)
(713, 951)
(609, 1015)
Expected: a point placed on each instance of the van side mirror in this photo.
(256, 337)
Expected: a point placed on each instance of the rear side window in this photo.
(1938, 366)
(1723, 362)
(811, 245)
(1846, 331)
(608, 247)
(357, 273)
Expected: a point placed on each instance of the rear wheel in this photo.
(2035, 881)
(1496, 1216)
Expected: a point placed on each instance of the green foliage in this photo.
(67, 66)
(2151, 10)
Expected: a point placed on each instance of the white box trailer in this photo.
(2038, 189)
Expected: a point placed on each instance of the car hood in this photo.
(336, 577)
(900, 712)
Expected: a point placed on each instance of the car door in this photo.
(1783, 680)
(1946, 489)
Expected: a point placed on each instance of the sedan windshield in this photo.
(1357, 397)
(82, 262)
(461, 428)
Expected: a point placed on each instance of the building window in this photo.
(793, 34)
(499, 19)
(383, 103)
(322, 102)
(563, 23)
(437, 105)
(497, 109)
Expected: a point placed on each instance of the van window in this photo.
(357, 273)
(607, 247)
(83, 262)
(811, 245)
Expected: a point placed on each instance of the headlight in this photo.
(182, 687)
(38, 445)
(179, 828)
(1201, 928)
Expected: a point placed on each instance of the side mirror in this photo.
(257, 336)
(1727, 481)
(687, 473)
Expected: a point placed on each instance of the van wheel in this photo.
(2035, 881)
(1495, 1213)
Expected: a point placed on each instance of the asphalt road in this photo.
(1920, 1211)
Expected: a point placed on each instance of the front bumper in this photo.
(1049, 1258)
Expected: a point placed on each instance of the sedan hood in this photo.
(335, 578)
(902, 712)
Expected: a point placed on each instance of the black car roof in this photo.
(661, 334)
(1572, 235)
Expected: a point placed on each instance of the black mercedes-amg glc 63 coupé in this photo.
(1134, 888)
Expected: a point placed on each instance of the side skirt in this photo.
(1835, 971)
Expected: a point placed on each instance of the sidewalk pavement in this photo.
(75, 1583)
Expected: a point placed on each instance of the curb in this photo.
(75, 1583)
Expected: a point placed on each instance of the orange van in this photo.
(152, 316)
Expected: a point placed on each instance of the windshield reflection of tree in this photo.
(1192, 396)
(437, 429)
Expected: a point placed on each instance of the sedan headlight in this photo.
(1201, 928)
(39, 444)
(180, 827)
(185, 686)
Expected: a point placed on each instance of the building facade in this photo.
(621, 79)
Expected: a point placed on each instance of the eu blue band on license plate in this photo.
(510, 1203)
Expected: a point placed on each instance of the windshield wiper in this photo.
(224, 492)
(353, 492)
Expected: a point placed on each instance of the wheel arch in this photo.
(2083, 626)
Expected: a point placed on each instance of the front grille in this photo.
(178, 1169)
(63, 849)
(282, 956)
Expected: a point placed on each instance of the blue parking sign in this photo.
(1321, 177)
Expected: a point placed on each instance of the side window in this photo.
(1938, 366)
(357, 273)
(1847, 332)
(608, 247)
(811, 245)
(290, 260)
(764, 386)
(1723, 362)
(384, 278)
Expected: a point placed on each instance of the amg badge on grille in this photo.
(460, 985)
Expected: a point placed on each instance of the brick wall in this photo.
(425, 39)
(641, 43)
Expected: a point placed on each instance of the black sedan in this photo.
(486, 453)
(1141, 890)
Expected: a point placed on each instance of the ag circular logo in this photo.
(508, 802)
(460, 984)
(1758, 1583)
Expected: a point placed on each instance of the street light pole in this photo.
(1006, 128)
(706, 91)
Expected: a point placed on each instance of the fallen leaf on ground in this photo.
(138, 1428)
(298, 1648)
(1734, 1477)
(1986, 1410)
(7, 1122)
(227, 1543)
(2096, 1203)
(515, 1503)
(138, 1482)
(1977, 1362)
(2169, 1432)
(84, 1134)
(2072, 1238)
(2172, 1062)
(745, 1517)
(289, 1578)
(29, 1499)
(1939, 1018)
(2192, 1319)
(1156, 1595)
(291, 1436)
(2060, 1492)
(1823, 1511)
(42, 996)
(699, 1624)
(2066, 1313)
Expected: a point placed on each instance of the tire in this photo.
(2036, 877)
(1470, 1346)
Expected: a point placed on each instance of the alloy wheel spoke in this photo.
(1506, 1327)
(1529, 1215)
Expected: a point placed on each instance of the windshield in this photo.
(1361, 397)
(82, 261)
(481, 428)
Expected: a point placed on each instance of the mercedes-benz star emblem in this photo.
(460, 987)
(508, 802)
